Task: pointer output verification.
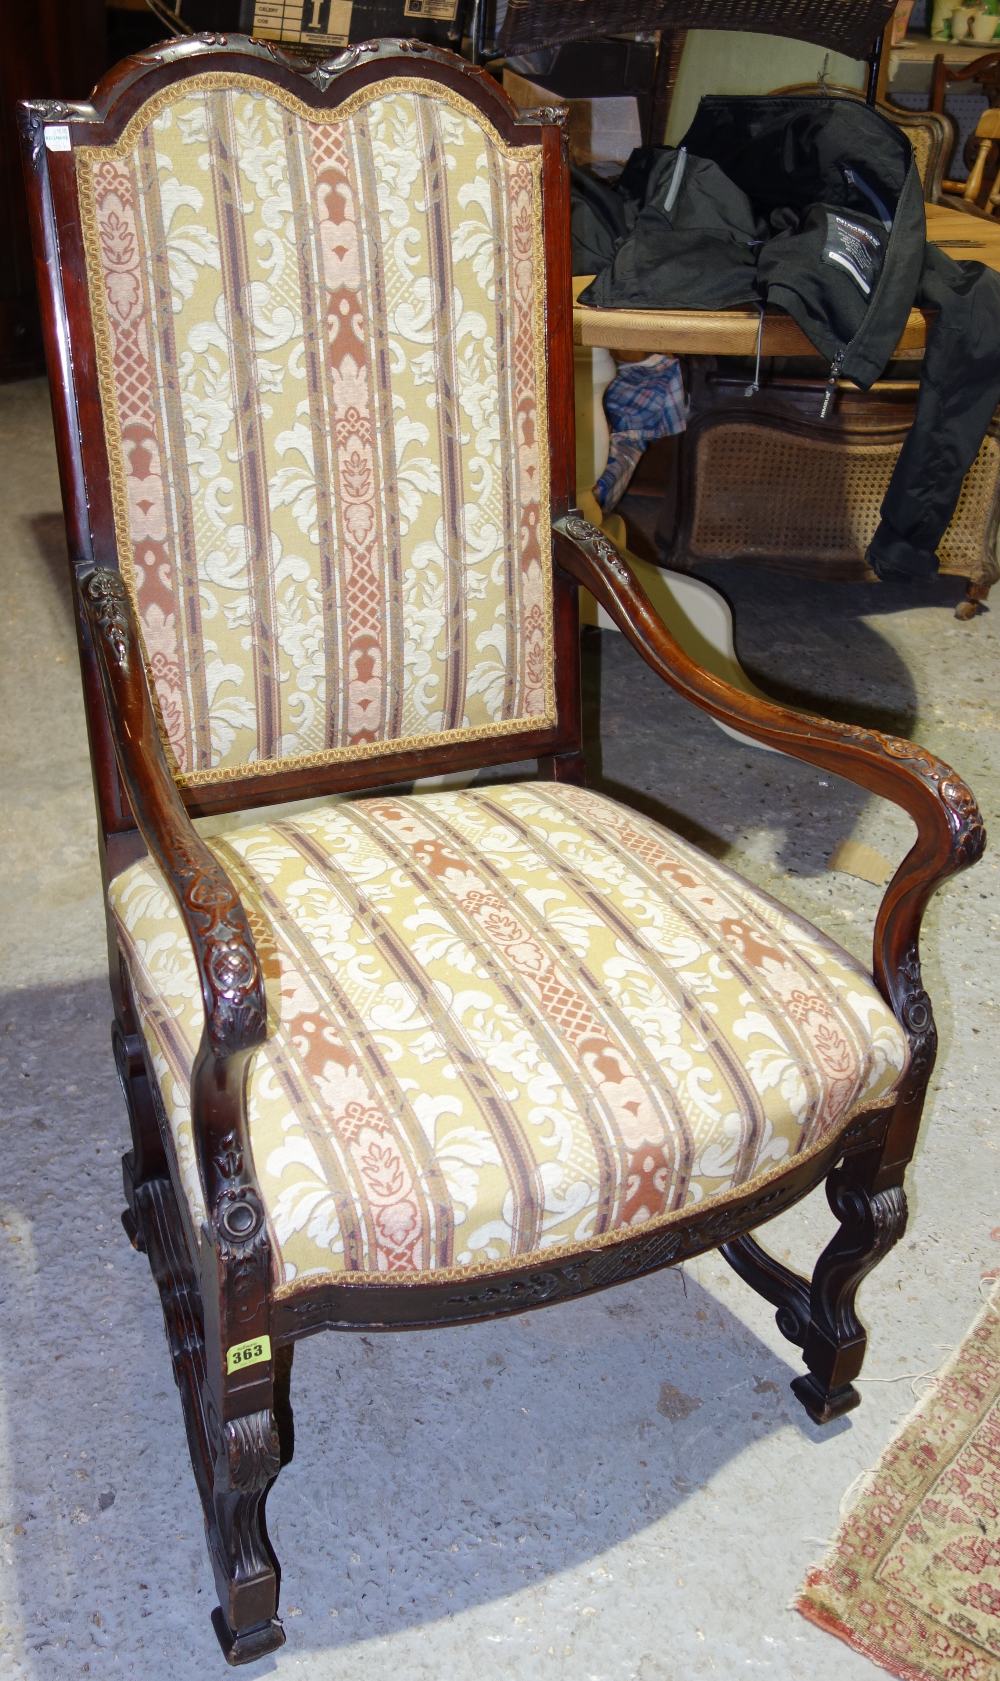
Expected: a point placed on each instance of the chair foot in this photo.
(833, 1348)
(821, 1406)
(246, 1645)
(247, 1461)
(975, 596)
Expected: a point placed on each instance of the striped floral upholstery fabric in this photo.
(320, 343)
(506, 1021)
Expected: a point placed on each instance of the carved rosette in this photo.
(240, 1230)
(237, 1008)
(913, 1007)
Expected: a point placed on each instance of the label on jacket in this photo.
(854, 247)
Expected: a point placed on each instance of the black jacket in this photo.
(814, 205)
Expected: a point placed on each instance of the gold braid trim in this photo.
(542, 1258)
(88, 160)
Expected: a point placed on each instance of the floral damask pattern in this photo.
(320, 339)
(504, 1019)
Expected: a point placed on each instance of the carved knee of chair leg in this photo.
(870, 1223)
(248, 1458)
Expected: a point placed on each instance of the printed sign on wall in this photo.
(320, 24)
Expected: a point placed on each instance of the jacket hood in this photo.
(808, 203)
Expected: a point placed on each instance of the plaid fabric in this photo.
(644, 401)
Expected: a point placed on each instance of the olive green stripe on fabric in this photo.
(290, 1063)
(333, 1005)
(437, 1214)
(610, 1152)
(746, 906)
(252, 463)
(306, 230)
(449, 417)
(500, 212)
(372, 238)
(752, 1110)
(671, 984)
(729, 1068)
(517, 1159)
(796, 1044)
(515, 1150)
(646, 1068)
(182, 555)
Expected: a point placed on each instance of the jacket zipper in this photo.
(752, 389)
(831, 383)
(880, 208)
(673, 191)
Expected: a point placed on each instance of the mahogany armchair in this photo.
(417, 1058)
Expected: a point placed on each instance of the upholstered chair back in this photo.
(320, 346)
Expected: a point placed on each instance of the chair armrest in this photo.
(229, 971)
(950, 830)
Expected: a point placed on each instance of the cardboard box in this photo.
(603, 132)
(317, 28)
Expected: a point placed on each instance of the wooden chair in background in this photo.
(980, 191)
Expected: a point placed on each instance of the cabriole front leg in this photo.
(871, 1221)
(248, 1459)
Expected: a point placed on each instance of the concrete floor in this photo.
(620, 1489)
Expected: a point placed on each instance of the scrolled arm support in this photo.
(217, 925)
(232, 985)
(950, 830)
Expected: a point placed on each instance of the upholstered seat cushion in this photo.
(504, 1020)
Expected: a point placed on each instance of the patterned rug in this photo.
(913, 1577)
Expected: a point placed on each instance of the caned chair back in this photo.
(320, 340)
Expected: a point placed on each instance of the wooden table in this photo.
(697, 612)
(733, 332)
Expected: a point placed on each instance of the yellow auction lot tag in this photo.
(252, 1353)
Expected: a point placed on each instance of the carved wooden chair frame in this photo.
(216, 1285)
